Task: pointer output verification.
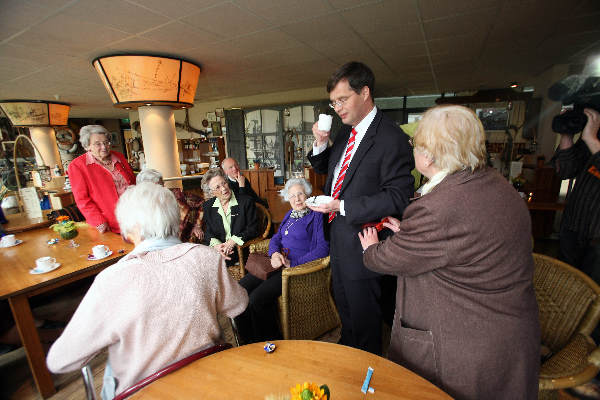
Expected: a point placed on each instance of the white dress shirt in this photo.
(361, 130)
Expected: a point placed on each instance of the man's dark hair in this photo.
(357, 74)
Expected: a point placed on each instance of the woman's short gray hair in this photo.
(152, 208)
(149, 175)
(211, 173)
(86, 131)
(293, 182)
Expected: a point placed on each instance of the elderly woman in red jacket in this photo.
(98, 178)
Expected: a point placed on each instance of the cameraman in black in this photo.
(580, 225)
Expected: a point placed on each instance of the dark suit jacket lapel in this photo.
(363, 148)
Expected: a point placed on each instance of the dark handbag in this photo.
(259, 265)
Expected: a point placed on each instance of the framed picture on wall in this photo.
(211, 116)
(216, 128)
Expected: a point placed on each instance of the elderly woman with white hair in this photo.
(190, 207)
(298, 240)
(98, 177)
(466, 314)
(155, 306)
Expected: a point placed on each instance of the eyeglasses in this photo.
(299, 195)
(100, 144)
(219, 187)
(340, 102)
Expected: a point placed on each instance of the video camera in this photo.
(581, 92)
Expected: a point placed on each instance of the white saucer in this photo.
(92, 258)
(17, 242)
(318, 200)
(35, 271)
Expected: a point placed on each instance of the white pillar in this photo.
(44, 139)
(160, 141)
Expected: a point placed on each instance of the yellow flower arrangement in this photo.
(309, 391)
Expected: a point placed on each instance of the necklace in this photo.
(296, 215)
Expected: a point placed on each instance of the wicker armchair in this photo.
(569, 305)
(263, 217)
(306, 308)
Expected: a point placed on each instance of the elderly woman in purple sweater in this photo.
(300, 239)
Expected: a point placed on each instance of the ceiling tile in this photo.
(117, 14)
(227, 20)
(476, 24)
(283, 57)
(63, 35)
(175, 8)
(262, 42)
(280, 12)
(349, 4)
(180, 36)
(433, 9)
(391, 39)
(18, 15)
(456, 46)
(316, 31)
(385, 15)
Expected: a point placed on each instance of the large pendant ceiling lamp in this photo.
(141, 80)
(27, 113)
(40, 117)
(155, 85)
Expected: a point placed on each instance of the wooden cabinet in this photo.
(261, 180)
(317, 181)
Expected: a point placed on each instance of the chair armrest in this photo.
(570, 366)
(307, 268)
(259, 245)
(594, 357)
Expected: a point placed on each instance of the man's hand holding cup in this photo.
(322, 128)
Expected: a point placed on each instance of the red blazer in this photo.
(94, 189)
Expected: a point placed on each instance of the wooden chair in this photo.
(569, 307)
(306, 308)
(89, 384)
(263, 217)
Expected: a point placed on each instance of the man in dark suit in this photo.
(237, 181)
(368, 175)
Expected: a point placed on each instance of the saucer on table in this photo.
(17, 242)
(318, 200)
(36, 271)
(92, 258)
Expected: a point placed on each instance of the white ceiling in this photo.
(248, 47)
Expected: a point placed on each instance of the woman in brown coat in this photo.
(466, 315)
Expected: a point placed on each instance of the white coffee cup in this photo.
(325, 122)
(8, 240)
(100, 251)
(45, 263)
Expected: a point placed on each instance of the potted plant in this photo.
(65, 227)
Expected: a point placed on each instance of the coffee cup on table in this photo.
(100, 251)
(324, 123)
(45, 263)
(8, 240)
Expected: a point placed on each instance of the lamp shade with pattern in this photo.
(142, 80)
(35, 113)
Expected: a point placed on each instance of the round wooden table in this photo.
(248, 372)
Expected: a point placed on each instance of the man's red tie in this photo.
(342, 174)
